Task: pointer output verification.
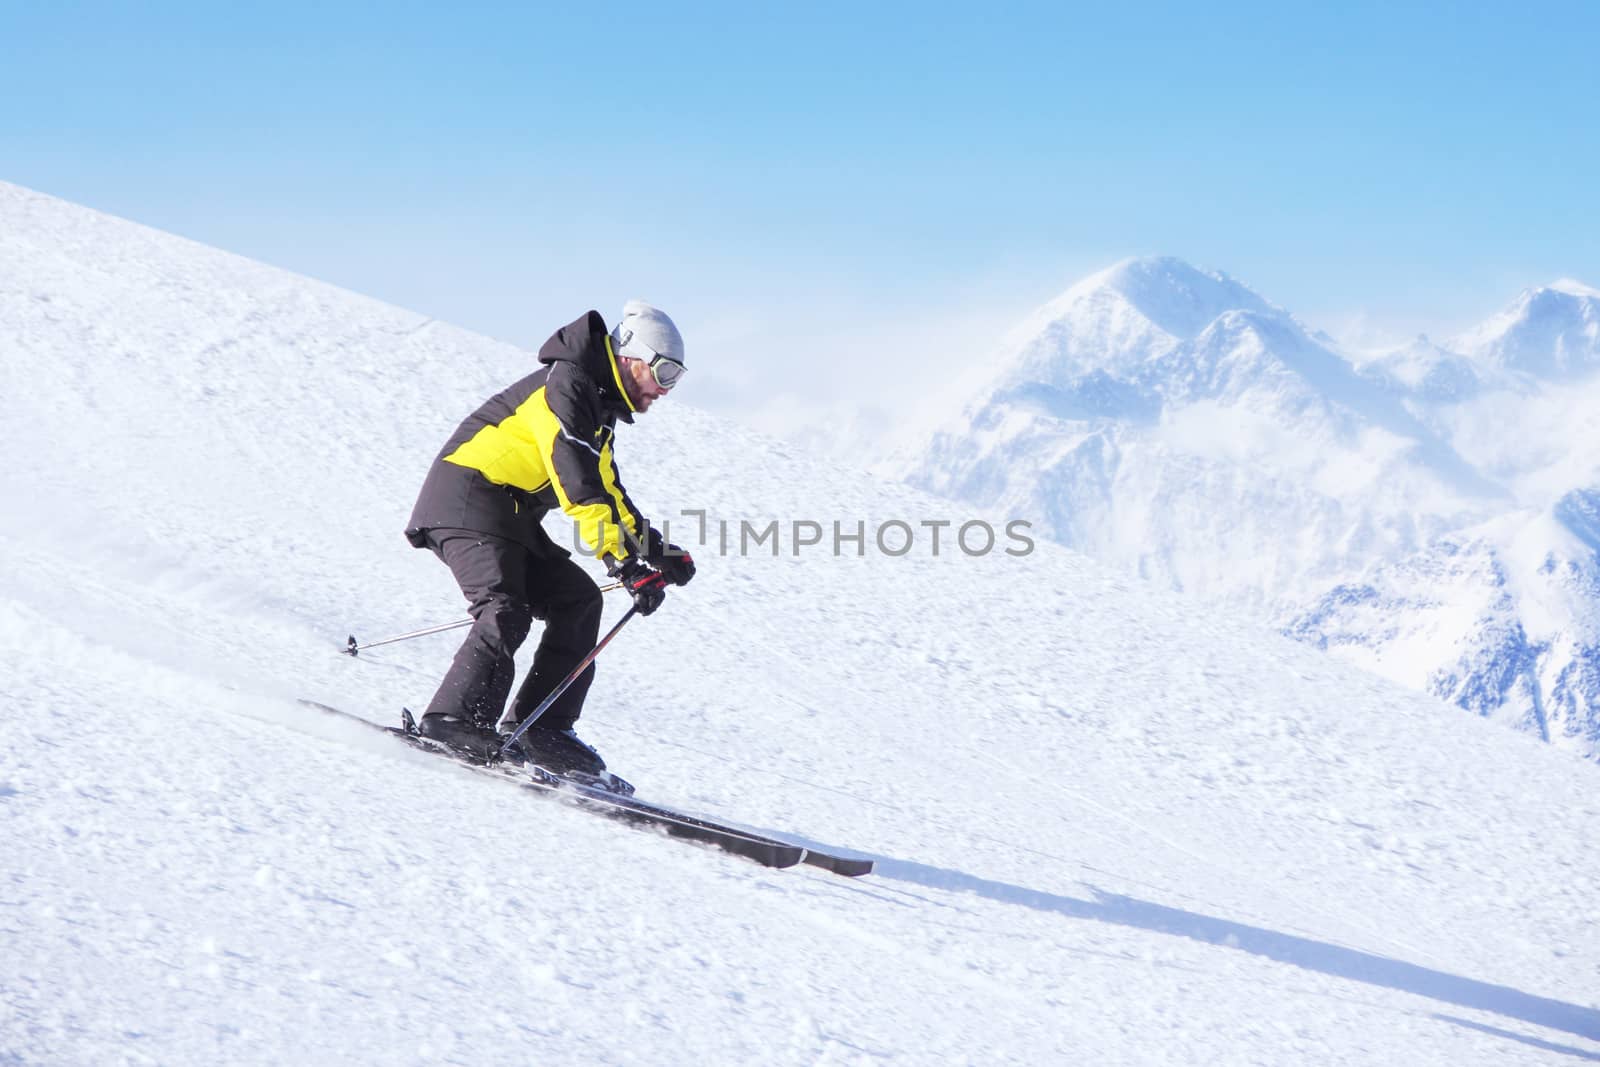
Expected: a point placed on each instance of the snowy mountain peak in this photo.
(1179, 298)
(1550, 332)
(1172, 423)
(1425, 371)
(1116, 320)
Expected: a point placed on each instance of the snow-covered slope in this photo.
(1113, 827)
(1501, 619)
(1174, 424)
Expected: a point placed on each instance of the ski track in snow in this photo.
(1111, 826)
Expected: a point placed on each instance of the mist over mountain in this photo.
(1427, 511)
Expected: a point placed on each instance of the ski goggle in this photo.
(666, 372)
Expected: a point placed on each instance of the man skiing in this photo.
(543, 443)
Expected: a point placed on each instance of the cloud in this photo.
(869, 371)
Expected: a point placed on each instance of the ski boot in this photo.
(563, 755)
(463, 735)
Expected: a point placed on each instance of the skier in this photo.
(543, 443)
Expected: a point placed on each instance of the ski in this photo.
(625, 808)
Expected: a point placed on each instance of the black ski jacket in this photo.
(541, 444)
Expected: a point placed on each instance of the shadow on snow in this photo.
(1301, 952)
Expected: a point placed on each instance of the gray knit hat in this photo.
(645, 332)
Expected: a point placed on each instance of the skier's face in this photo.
(641, 384)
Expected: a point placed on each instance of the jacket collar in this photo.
(615, 363)
(587, 343)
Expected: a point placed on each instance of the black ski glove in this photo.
(673, 562)
(646, 585)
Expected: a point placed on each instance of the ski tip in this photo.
(351, 648)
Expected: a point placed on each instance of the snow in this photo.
(1398, 509)
(1112, 825)
(1549, 334)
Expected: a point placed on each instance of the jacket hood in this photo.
(586, 343)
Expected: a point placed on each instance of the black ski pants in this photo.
(508, 586)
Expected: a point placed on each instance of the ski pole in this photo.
(565, 682)
(354, 648)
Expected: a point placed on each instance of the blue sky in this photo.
(848, 184)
